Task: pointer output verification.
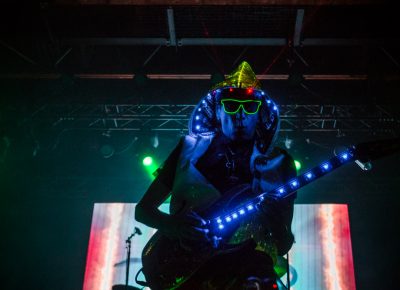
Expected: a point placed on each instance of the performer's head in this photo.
(237, 112)
(239, 109)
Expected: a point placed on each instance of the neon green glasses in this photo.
(232, 106)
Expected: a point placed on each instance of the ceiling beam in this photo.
(298, 27)
(130, 41)
(171, 27)
(277, 77)
(220, 2)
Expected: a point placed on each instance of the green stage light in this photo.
(147, 161)
(297, 164)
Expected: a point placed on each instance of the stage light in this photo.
(220, 226)
(241, 211)
(297, 164)
(147, 161)
(250, 207)
(228, 219)
(234, 215)
(281, 190)
(294, 183)
(155, 142)
(107, 150)
(288, 145)
(219, 220)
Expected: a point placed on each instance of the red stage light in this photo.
(230, 90)
(275, 286)
(249, 91)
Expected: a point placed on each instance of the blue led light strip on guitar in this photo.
(218, 224)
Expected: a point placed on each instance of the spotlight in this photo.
(107, 150)
(288, 143)
(147, 161)
(297, 164)
(155, 141)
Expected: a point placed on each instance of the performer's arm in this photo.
(184, 226)
(189, 226)
(147, 211)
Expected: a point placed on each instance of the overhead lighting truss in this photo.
(167, 117)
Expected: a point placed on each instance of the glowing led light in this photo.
(309, 175)
(197, 117)
(345, 156)
(221, 226)
(147, 161)
(228, 219)
(241, 211)
(262, 93)
(250, 207)
(325, 166)
(199, 109)
(261, 197)
(197, 127)
(294, 183)
(281, 190)
(268, 101)
(203, 101)
(219, 220)
(275, 108)
(297, 164)
(234, 215)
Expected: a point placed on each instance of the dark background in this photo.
(52, 170)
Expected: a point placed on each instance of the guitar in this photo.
(169, 264)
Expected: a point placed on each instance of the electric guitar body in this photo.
(175, 264)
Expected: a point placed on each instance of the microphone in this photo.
(138, 231)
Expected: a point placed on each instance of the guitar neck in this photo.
(219, 223)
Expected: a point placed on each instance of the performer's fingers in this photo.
(195, 233)
(195, 220)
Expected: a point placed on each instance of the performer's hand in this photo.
(189, 226)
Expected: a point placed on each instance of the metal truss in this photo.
(168, 117)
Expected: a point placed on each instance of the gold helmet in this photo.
(242, 77)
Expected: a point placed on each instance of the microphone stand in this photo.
(128, 258)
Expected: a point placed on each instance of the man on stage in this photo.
(228, 155)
